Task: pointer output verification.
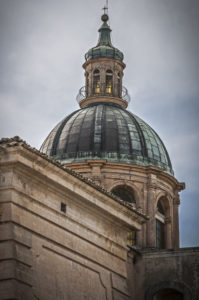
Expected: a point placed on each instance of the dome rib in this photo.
(92, 144)
(124, 146)
(167, 154)
(79, 134)
(103, 130)
(117, 135)
(58, 133)
(97, 134)
(129, 137)
(46, 144)
(64, 148)
(142, 139)
(158, 140)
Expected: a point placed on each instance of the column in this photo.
(151, 229)
(176, 203)
(168, 228)
(96, 166)
(102, 80)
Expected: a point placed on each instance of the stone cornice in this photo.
(103, 59)
(83, 103)
(169, 178)
(145, 170)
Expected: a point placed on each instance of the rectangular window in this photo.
(63, 207)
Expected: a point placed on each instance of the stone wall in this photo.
(60, 237)
(148, 184)
(153, 270)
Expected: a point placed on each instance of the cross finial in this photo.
(105, 9)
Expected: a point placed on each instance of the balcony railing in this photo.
(83, 93)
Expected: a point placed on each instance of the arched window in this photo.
(160, 225)
(168, 290)
(96, 82)
(160, 234)
(160, 208)
(125, 193)
(109, 82)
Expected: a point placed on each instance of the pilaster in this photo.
(151, 238)
(176, 203)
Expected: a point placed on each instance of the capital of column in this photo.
(176, 199)
(168, 220)
(151, 186)
(96, 163)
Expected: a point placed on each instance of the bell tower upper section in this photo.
(103, 72)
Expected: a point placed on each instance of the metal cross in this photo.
(105, 9)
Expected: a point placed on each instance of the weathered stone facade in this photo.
(62, 237)
(164, 274)
(149, 184)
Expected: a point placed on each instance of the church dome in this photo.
(106, 131)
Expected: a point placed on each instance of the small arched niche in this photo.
(162, 214)
(125, 193)
(169, 290)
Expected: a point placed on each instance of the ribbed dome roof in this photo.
(106, 131)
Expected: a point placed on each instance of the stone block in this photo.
(6, 231)
(22, 236)
(119, 283)
(6, 250)
(7, 269)
(23, 254)
(7, 290)
(12, 250)
(119, 296)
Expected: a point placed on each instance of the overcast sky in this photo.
(42, 47)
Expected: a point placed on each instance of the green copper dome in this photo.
(106, 131)
(104, 47)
